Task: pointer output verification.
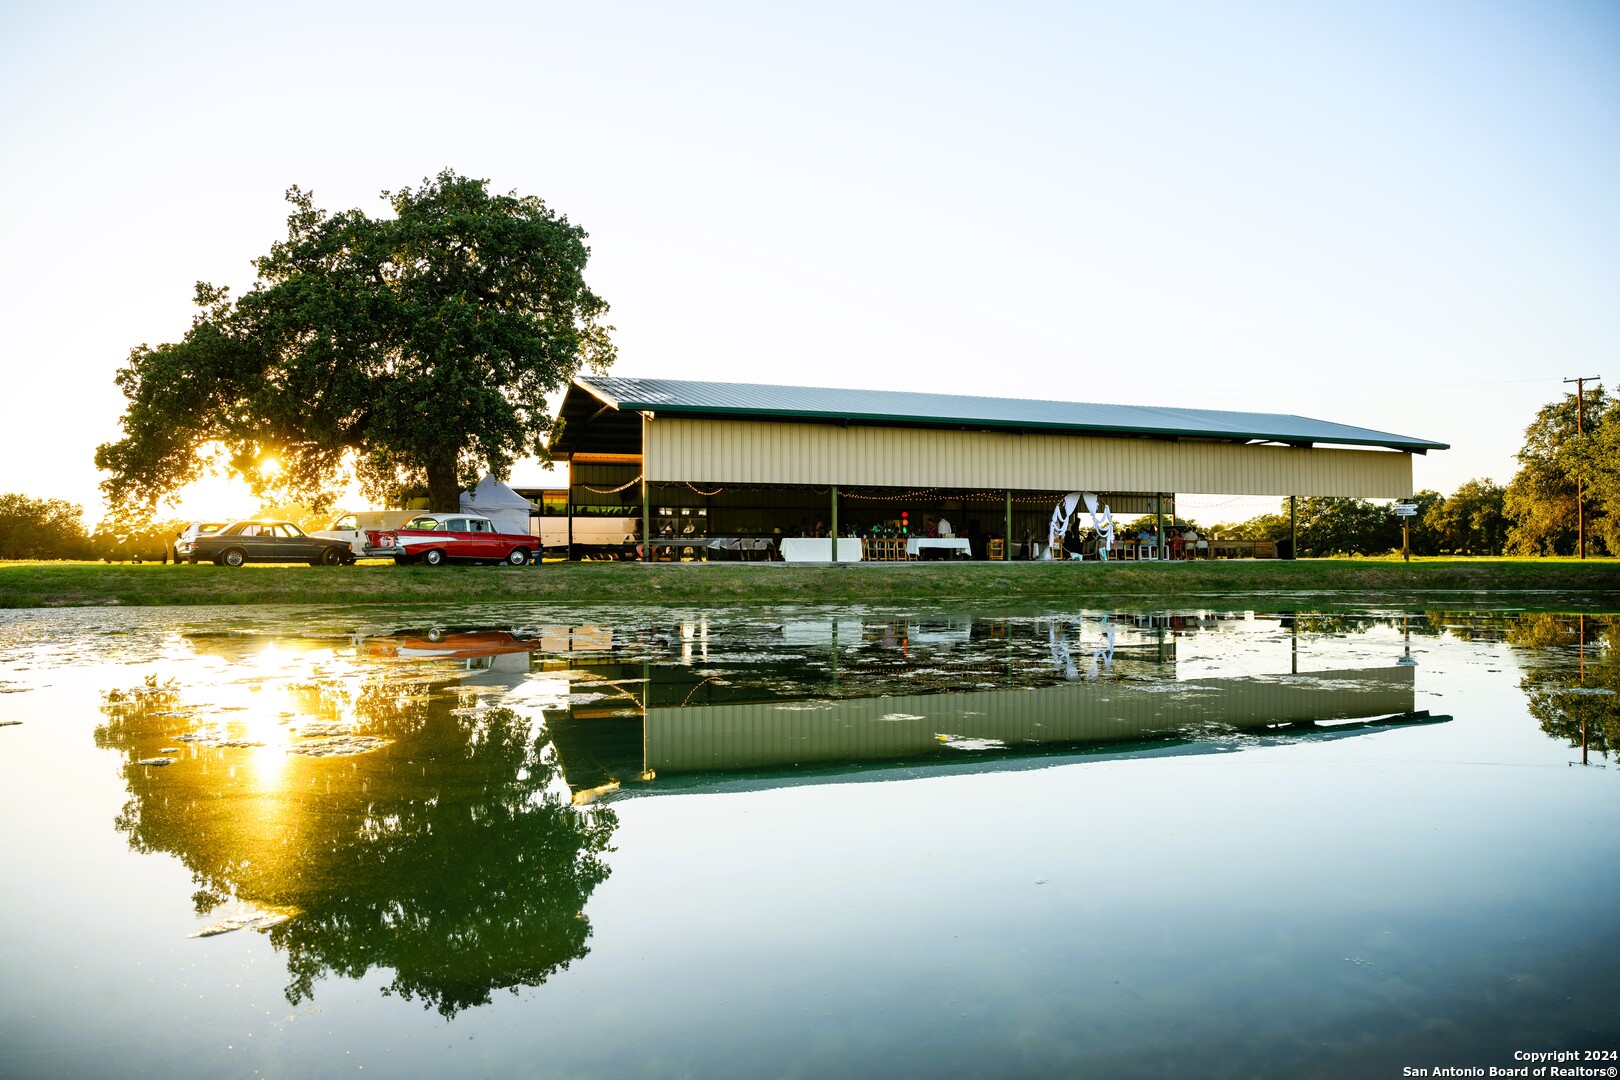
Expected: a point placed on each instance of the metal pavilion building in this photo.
(710, 459)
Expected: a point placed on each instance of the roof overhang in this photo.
(593, 399)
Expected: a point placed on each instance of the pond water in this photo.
(804, 842)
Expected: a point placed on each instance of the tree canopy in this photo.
(41, 528)
(1326, 527)
(1469, 522)
(1541, 499)
(416, 350)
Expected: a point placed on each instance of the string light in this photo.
(611, 491)
(947, 494)
(933, 494)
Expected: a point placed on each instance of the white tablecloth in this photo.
(819, 549)
(745, 546)
(917, 543)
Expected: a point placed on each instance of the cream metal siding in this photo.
(762, 452)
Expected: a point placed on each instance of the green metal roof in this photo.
(739, 400)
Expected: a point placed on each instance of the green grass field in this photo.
(1593, 584)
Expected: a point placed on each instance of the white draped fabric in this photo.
(1102, 519)
(1061, 514)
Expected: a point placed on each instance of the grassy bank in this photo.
(1595, 583)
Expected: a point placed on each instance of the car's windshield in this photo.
(423, 524)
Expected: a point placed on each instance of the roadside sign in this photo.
(1405, 509)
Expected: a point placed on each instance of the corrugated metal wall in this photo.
(757, 452)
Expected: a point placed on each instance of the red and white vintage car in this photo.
(436, 539)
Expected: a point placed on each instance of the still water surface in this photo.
(804, 842)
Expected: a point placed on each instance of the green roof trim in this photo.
(667, 396)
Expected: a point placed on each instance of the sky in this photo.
(1392, 215)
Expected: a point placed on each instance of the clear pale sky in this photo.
(1401, 216)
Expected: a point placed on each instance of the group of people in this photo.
(1082, 542)
(934, 528)
(1179, 545)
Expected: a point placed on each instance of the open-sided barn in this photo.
(705, 463)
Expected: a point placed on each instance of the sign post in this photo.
(1406, 512)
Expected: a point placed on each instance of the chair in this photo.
(1203, 549)
(997, 550)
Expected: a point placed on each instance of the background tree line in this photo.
(55, 529)
(1534, 515)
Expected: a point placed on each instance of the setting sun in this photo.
(216, 498)
(221, 495)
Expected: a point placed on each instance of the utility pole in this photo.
(1580, 500)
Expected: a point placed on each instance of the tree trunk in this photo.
(444, 491)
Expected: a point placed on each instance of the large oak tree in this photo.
(418, 349)
(1540, 502)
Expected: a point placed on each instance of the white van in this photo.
(351, 527)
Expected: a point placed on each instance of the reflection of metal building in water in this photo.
(1106, 688)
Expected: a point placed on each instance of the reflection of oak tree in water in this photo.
(1558, 696)
(442, 857)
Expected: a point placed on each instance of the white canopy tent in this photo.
(508, 510)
